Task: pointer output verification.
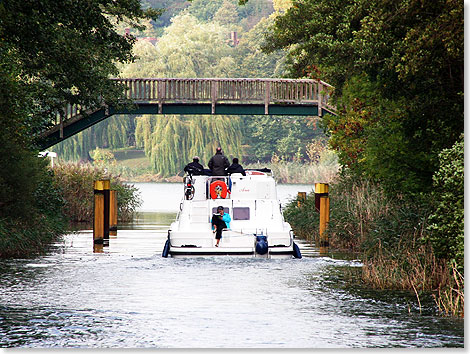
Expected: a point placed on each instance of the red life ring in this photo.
(218, 189)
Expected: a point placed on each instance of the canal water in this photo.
(128, 296)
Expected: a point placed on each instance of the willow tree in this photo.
(188, 48)
(171, 141)
(115, 132)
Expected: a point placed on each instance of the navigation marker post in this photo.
(101, 212)
(322, 205)
(113, 213)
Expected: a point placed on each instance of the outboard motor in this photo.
(166, 248)
(296, 251)
(261, 246)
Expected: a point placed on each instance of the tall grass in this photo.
(22, 238)
(450, 298)
(76, 180)
(389, 233)
(300, 173)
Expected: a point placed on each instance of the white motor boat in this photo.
(257, 226)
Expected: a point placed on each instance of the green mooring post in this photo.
(322, 204)
(101, 212)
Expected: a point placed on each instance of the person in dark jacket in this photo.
(218, 163)
(194, 168)
(220, 221)
(235, 167)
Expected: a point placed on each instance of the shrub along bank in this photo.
(31, 215)
(41, 213)
(412, 242)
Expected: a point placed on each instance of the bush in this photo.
(33, 220)
(304, 219)
(77, 182)
(447, 221)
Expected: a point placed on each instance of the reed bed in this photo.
(76, 181)
(300, 173)
(450, 299)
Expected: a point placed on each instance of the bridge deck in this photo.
(201, 96)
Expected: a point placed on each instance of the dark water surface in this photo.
(128, 296)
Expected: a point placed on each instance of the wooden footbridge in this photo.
(200, 97)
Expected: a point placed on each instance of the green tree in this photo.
(50, 53)
(282, 137)
(114, 133)
(227, 14)
(447, 221)
(204, 10)
(399, 60)
(251, 61)
(188, 48)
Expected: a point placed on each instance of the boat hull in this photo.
(275, 252)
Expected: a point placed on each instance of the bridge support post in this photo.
(322, 204)
(267, 97)
(113, 213)
(320, 99)
(214, 88)
(101, 212)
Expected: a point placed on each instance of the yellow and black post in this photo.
(101, 211)
(322, 205)
(113, 213)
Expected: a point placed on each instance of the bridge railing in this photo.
(266, 91)
(226, 90)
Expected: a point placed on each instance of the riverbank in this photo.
(390, 236)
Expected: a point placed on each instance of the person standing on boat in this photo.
(194, 168)
(220, 221)
(235, 167)
(218, 163)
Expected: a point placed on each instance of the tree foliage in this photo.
(447, 222)
(51, 52)
(171, 141)
(114, 133)
(251, 61)
(274, 138)
(397, 68)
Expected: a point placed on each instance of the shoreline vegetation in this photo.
(64, 199)
(77, 181)
(391, 236)
(131, 165)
